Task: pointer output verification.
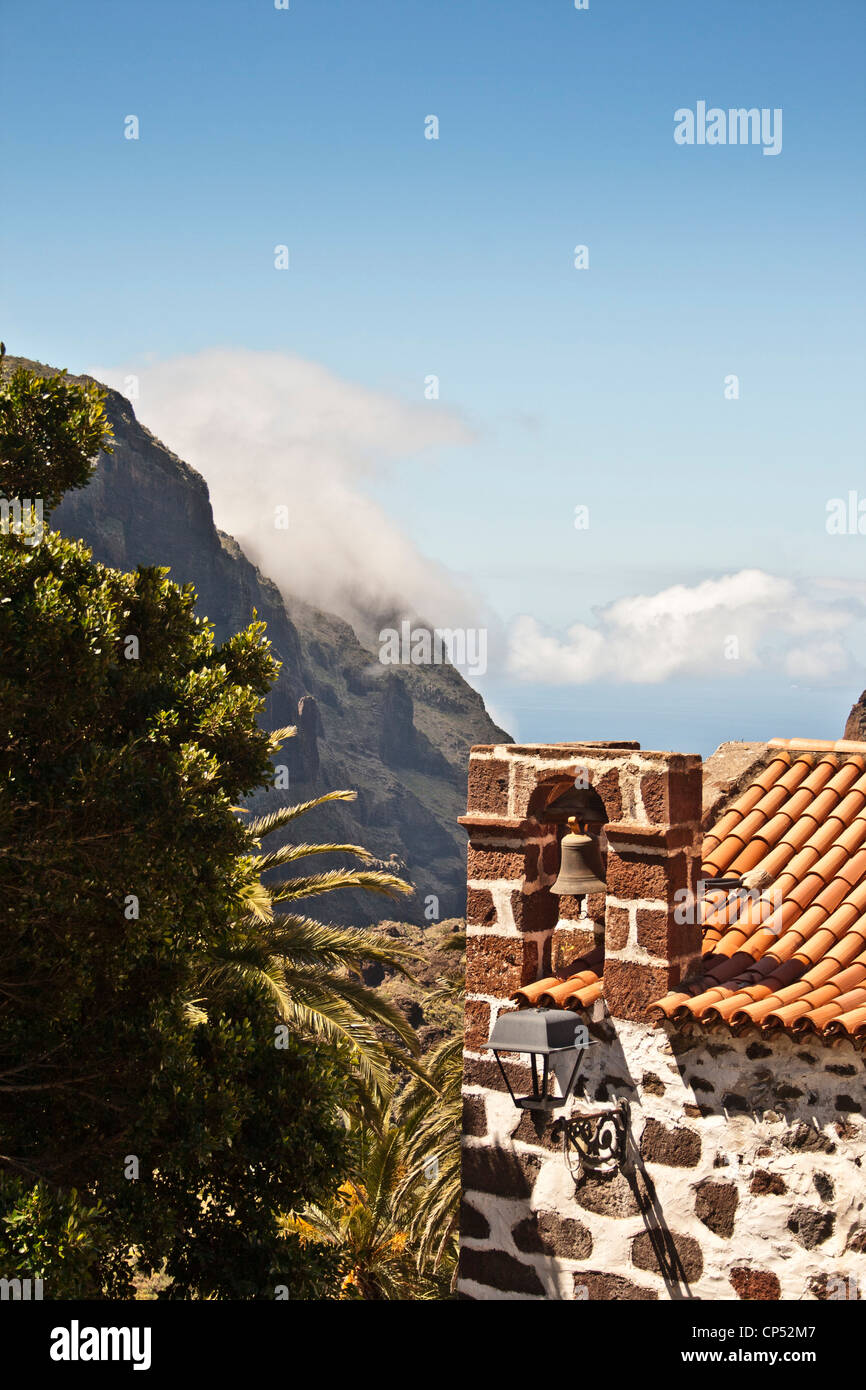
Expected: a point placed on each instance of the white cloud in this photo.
(742, 622)
(820, 662)
(269, 429)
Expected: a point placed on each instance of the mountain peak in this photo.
(401, 738)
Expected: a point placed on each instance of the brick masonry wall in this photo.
(747, 1180)
(650, 842)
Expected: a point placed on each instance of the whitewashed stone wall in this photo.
(748, 1176)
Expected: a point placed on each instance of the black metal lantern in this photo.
(546, 1034)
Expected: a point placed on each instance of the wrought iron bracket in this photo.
(599, 1136)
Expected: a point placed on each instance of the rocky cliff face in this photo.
(400, 738)
(856, 725)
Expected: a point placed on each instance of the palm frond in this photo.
(278, 736)
(256, 899)
(309, 970)
(382, 1172)
(289, 853)
(315, 1224)
(432, 1125)
(274, 820)
(246, 966)
(193, 1013)
(363, 1108)
(368, 1006)
(314, 885)
(371, 1223)
(308, 942)
(323, 1016)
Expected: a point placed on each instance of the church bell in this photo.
(576, 878)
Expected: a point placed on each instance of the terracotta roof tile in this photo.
(572, 994)
(839, 745)
(749, 799)
(788, 950)
(852, 1022)
(530, 994)
(566, 992)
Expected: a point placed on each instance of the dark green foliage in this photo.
(50, 1234)
(119, 856)
(51, 431)
(235, 1132)
(126, 736)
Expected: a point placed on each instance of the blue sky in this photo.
(454, 257)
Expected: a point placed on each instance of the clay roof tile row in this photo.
(787, 951)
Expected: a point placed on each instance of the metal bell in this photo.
(575, 877)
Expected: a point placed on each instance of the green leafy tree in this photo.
(51, 431)
(169, 1133)
(52, 1235)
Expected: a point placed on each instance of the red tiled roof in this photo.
(788, 951)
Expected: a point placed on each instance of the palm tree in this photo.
(309, 968)
(432, 1122)
(368, 1221)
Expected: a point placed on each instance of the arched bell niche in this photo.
(579, 930)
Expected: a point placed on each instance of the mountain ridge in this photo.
(399, 736)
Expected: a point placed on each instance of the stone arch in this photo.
(553, 785)
(578, 924)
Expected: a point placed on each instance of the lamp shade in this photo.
(534, 1030)
(545, 1034)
